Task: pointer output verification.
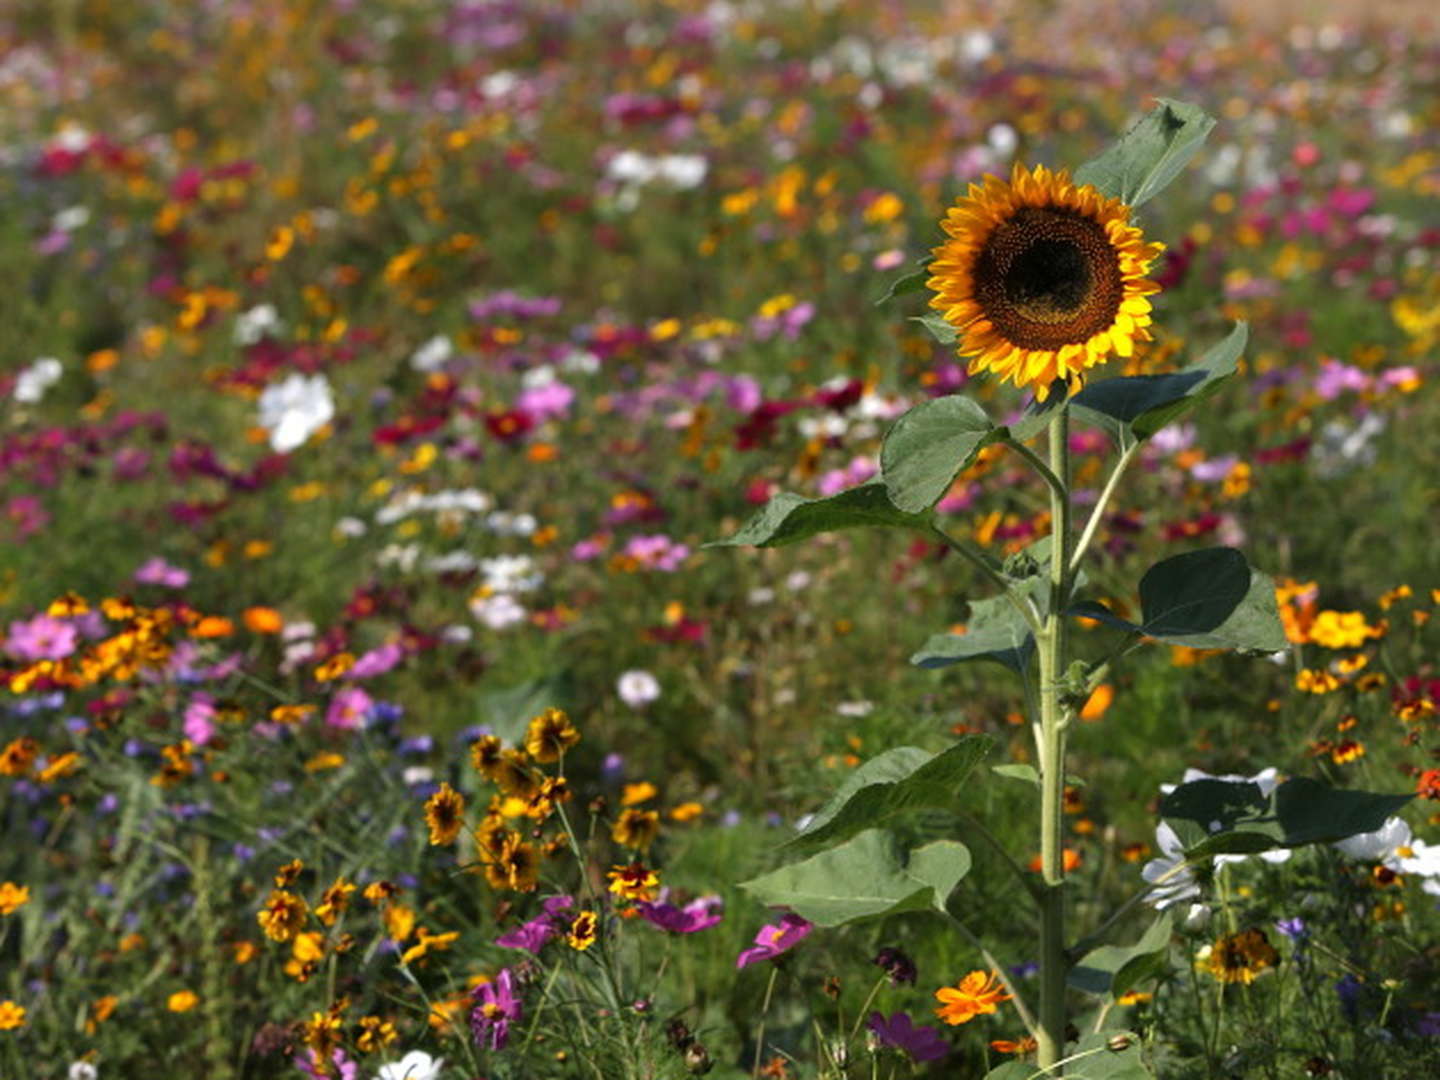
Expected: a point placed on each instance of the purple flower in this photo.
(1294, 929)
(42, 638)
(495, 1007)
(377, 661)
(695, 916)
(897, 965)
(922, 1043)
(771, 941)
(531, 936)
(199, 724)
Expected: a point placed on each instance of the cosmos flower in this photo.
(700, 914)
(416, 1065)
(496, 1007)
(294, 409)
(977, 993)
(1042, 279)
(899, 1031)
(776, 939)
(637, 688)
(33, 381)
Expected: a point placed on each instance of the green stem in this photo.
(764, 1009)
(1054, 720)
(1023, 605)
(1093, 522)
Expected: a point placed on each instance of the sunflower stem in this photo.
(1054, 721)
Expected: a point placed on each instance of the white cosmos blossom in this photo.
(1181, 885)
(82, 1070)
(511, 574)
(637, 688)
(252, 325)
(498, 611)
(416, 1065)
(1379, 846)
(33, 381)
(433, 355)
(294, 409)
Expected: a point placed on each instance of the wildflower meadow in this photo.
(638, 539)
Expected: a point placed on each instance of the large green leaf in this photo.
(927, 448)
(1115, 969)
(789, 518)
(1218, 817)
(1206, 599)
(996, 631)
(905, 778)
(939, 329)
(865, 877)
(1107, 1055)
(908, 282)
(1140, 405)
(1143, 161)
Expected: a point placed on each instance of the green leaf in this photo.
(1219, 817)
(927, 448)
(1143, 161)
(1114, 969)
(1015, 1070)
(908, 282)
(1017, 771)
(1107, 1055)
(1141, 405)
(509, 711)
(865, 877)
(995, 631)
(788, 518)
(1206, 599)
(905, 778)
(939, 329)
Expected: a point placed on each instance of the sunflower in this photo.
(1042, 279)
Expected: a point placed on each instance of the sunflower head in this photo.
(1042, 279)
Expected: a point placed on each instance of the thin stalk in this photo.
(860, 1016)
(1024, 605)
(1054, 719)
(1021, 874)
(764, 1010)
(1093, 522)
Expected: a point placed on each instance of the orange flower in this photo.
(1099, 701)
(978, 992)
(263, 620)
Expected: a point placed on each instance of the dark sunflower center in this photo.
(1048, 277)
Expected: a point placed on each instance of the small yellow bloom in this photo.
(445, 814)
(12, 1016)
(182, 1001)
(635, 794)
(13, 897)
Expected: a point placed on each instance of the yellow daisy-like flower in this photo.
(1042, 279)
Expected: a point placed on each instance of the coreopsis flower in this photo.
(496, 1007)
(516, 866)
(583, 931)
(549, 735)
(182, 1001)
(13, 897)
(1042, 279)
(445, 814)
(334, 901)
(634, 881)
(12, 1016)
(19, 756)
(283, 915)
(636, 829)
(1342, 630)
(899, 1031)
(1241, 957)
(977, 993)
(773, 940)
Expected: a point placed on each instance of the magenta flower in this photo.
(922, 1043)
(377, 661)
(496, 1006)
(310, 1066)
(771, 941)
(695, 916)
(199, 722)
(42, 638)
(349, 709)
(157, 571)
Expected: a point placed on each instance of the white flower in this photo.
(252, 325)
(637, 688)
(33, 381)
(415, 774)
(68, 220)
(511, 573)
(416, 1065)
(498, 611)
(855, 709)
(1181, 884)
(82, 1070)
(433, 355)
(1379, 846)
(682, 171)
(295, 409)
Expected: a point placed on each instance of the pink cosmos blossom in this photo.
(695, 916)
(157, 571)
(496, 1006)
(42, 638)
(199, 722)
(657, 552)
(377, 661)
(772, 941)
(348, 709)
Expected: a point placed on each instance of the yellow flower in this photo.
(634, 882)
(182, 1001)
(582, 932)
(425, 941)
(550, 734)
(282, 916)
(978, 992)
(636, 829)
(444, 814)
(334, 901)
(12, 1016)
(399, 922)
(635, 794)
(1241, 957)
(12, 897)
(1042, 279)
(1342, 630)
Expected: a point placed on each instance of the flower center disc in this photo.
(1047, 278)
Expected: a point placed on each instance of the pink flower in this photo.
(42, 638)
(695, 916)
(772, 941)
(199, 723)
(157, 571)
(349, 709)
(377, 661)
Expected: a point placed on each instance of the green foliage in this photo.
(865, 877)
(1217, 817)
(1144, 161)
(996, 631)
(1138, 406)
(905, 778)
(927, 448)
(1117, 969)
(908, 282)
(788, 518)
